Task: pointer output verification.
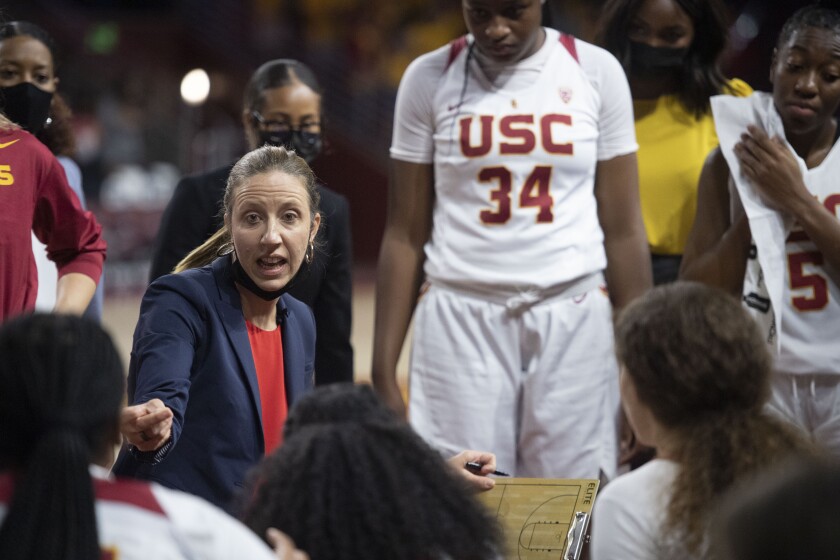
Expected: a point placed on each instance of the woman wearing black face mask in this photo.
(670, 50)
(28, 97)
(281, 107)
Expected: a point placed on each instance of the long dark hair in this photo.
(61, 389)
(58, 135)
(702, 76)
(699, 362)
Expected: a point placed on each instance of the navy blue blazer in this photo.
(191, 350)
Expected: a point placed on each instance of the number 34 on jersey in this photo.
(520, 134)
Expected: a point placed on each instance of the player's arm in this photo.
(717, 248)
(72, 236)
(773, 169)
(400, 271)
(629, 272)
(619, 212)
(74, 291)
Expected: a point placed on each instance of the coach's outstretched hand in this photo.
(146, 426)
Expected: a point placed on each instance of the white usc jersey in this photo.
(810, 335)
(142, 521)
(810, 309)
(514, 160)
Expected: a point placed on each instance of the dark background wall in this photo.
(122, 61)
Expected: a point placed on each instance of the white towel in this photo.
(769, 228)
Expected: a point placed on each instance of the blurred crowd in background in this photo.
(123, 62)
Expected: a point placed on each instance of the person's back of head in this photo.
(791, 512)
(61, 389)
(693, 352)
(699, 363)
(369, 490)
(337, 403)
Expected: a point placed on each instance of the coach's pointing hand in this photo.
(146, 426)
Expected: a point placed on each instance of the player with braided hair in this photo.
(61, 392)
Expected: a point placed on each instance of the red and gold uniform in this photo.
(35, 197)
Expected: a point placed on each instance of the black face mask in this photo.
(649, 61)
(241, 277)
(26, 105)
(306, 144)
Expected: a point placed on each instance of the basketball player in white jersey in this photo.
(790, 157)
(514, 193)
(61, 394)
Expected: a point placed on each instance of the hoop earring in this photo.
(225, 249)
(310, 253)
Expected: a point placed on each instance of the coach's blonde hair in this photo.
(256, 162)
(6, 124)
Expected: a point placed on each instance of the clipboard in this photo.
(542, 518)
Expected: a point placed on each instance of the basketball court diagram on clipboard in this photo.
(542, 518)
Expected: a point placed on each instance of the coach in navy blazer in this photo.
(191, 350)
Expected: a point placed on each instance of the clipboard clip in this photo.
(574, 540)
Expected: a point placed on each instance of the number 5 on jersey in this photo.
(535, 193)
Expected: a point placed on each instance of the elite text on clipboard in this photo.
(542, 518)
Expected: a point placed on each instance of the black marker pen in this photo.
(474, 467)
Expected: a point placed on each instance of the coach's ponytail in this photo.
(216, 245)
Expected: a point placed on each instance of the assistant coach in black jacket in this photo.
(282, 106)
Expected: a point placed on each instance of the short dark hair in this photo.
(61, 391)
(702, 75)
(274, 74)
(813, 15)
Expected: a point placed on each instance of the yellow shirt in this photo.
(673, 145)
